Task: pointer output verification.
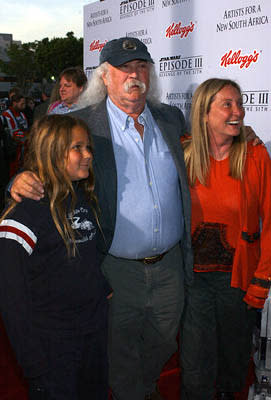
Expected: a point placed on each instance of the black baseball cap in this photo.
(119, 51)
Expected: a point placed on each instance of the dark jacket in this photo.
(43, 292)
(172, 125)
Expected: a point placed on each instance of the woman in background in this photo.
(72, 82)
(230, 184)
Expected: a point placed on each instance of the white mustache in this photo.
(132, 83)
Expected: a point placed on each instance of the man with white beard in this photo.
(145, 214)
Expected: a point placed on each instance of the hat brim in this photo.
(120, 59)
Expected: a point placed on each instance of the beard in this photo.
(132, 83)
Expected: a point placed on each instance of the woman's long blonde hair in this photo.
(197, 149)
(47, 151)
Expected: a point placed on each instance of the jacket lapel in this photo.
(104, 161)
(171, 135)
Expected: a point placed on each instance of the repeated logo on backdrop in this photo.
(182, 100)
(134, 8)
(96, 45)
(242, 18)
(97, 18)
(239, 58)
(141, 34)
(256, 100)
(178, 65)
(179, 30)
(170, 3)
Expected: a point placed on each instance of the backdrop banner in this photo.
(191, 41)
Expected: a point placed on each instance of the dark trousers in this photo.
(144, 320)
(78, 369)
(216, 337)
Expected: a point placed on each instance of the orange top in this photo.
(226, 234)
(215, 219)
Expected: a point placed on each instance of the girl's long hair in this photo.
(197, 149)
(47, 151)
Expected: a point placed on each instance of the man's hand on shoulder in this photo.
(251, 135)
(26, 184)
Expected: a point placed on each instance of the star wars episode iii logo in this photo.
(169, 3)
(177, 65)
(256, 100)
(98, 18)
(133, 8)
(177, 29)
(244, 17)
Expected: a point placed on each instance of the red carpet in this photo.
(13, 387)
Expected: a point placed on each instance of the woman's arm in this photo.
(259, 287)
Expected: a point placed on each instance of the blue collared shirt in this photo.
(62, 108)
(149, 218)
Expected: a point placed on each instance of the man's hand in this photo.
(26, 184)
(251, 135)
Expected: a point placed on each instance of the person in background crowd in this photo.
(7, 152)
(14, 91)
(145, 214)
(53, 295)
(18, 128)
(29, 110)
(6, 100)
(230, 190)
(72, 82)
(42, 108)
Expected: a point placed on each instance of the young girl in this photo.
(52, 292)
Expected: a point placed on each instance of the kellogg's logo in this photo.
(178, 29)
(236, 58)
(96, 45)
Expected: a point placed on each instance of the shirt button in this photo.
(136, 140)
(155, 230)
(154, 249)
(155, 206)
(150, 183)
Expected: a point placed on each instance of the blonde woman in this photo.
(230, 192)
(52, 292)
